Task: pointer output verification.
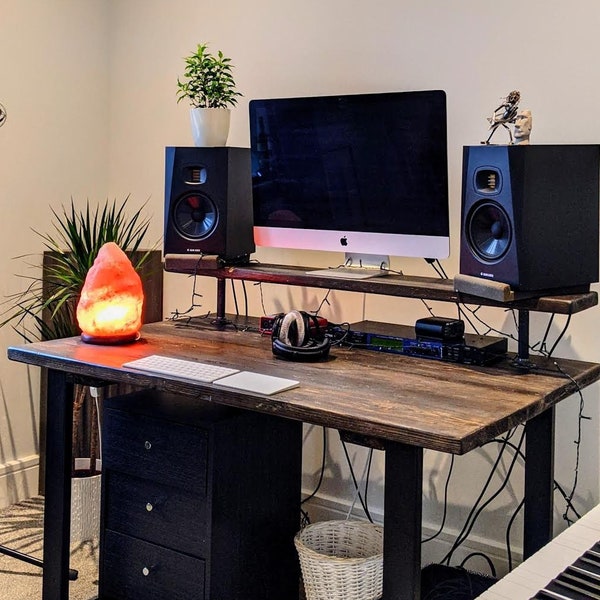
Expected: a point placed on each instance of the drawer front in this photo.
(135, 570)
(157, 513)
(163, 451)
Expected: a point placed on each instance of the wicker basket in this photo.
(341, 560)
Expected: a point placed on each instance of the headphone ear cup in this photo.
(293, 329)
(292, 338)
(312, 352)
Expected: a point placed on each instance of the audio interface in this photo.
(401, 339)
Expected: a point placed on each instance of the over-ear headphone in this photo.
(297, 335)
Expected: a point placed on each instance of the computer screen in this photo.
(362, 173)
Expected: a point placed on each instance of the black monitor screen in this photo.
(358, 163)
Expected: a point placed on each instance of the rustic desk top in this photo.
(436, 405)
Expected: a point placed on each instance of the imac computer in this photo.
(364, 174)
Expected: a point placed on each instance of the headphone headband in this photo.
(292, 338)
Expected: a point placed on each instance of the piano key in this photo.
(531, 577)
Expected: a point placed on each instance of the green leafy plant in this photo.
(208, 82)
(45, 309)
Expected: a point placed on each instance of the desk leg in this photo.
(539, 482)
(402, 522)
(57, 509)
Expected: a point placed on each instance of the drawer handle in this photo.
(147, 445)
(152, 504)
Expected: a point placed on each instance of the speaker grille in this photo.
(195, 216)
(489, 232)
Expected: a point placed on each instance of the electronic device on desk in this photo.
(402, 339)
(364, 174)
(298, 336)
(440, 328)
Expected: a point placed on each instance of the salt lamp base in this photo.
(110, 340)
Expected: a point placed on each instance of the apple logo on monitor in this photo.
(344, 241)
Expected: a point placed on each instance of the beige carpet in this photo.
(21, 529)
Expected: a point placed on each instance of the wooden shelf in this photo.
(563, 301)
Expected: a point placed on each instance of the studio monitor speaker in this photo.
(530, 215)
(208, 202)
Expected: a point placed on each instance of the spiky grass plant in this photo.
(45, 309)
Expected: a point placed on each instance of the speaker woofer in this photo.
(195, 216)
(489, 231)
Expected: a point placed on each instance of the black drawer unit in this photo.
(199, 502)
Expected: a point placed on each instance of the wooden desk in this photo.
(407, 404)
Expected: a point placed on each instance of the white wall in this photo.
(475, 51)
(53, 146)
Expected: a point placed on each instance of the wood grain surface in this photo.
(432, 404)
(561, 301)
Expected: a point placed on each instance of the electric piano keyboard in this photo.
(555, 572)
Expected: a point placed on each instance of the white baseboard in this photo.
(19, 480)
(322, 508)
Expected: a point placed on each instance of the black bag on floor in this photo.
(439, 582)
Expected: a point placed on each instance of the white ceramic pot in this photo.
(210, 126)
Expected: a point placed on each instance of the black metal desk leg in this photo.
(57, 507)
(539, 482)
(402, 522)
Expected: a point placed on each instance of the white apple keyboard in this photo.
(191, 370)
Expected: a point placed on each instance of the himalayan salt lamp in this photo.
(110, 307)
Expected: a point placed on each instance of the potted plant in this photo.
(45, 310)
(209, 86)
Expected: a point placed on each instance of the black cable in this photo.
(463, 314)
(475, 512)
(237, 310)
(262, 298)
(367, 476)
(542, 343)
(570, 505)
(245, 297)
(456, 544)
(499, 490)
(482, 555)
(445, 513)
(314, 492)
(429, 309)
(437, 267)
(508, 528)
(337, 334)
(539, 347)
(556, 486)
(560, 336)
(324, 301)
(441, 268)
(490, 329)
(365, 509)
(176, 314)
(577, 442)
